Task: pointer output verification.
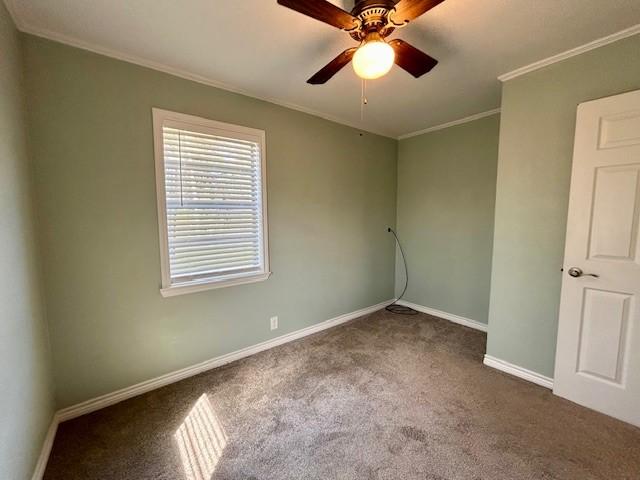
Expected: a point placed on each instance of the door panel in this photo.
(602, 348)
(613, 236)
(598, 350)
(620, 130)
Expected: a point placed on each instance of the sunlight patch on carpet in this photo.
(201, 440)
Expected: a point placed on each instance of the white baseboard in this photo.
(467, 322)
(148, 385)
(490, 361)
(41, 464)
(517, 371)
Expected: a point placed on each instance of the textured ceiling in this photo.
(267, 51)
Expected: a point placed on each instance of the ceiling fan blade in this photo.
(407, 10)
(409, 58)
(333, 67)
(324, 11)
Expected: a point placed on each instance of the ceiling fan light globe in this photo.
(373, 60)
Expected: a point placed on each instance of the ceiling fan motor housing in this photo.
(373, 17)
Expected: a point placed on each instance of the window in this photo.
(211, 203)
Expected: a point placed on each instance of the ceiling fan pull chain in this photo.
(364, 92)
(363, 99)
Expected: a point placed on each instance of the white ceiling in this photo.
(267, 51)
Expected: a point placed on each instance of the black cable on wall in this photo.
(394, 307)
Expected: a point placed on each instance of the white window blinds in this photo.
(213, 202)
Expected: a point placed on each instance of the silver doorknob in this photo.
(576, 272)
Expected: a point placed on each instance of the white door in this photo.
(598, 350)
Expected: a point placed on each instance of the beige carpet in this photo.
(382, 397)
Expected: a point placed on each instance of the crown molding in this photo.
(176, 72)
(601, 42)
(453, 123)
(11, 8)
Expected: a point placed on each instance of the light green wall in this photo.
(446, 195)
(26, 399)
(331, 195)
(534, 169)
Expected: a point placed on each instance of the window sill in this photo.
(201, 286)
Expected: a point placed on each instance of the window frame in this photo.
(204, 125)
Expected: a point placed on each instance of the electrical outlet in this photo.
(274, 323)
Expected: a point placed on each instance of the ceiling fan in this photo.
(369, 23)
